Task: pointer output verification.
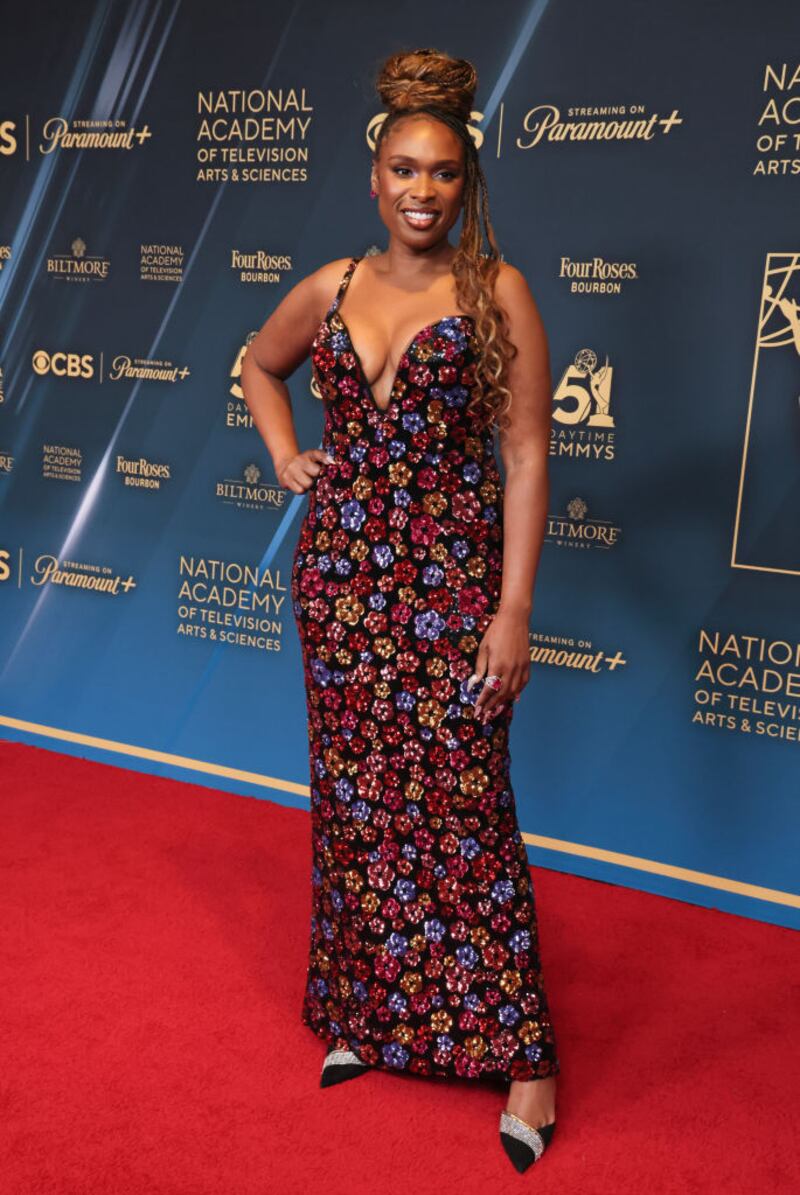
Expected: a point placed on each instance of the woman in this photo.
(412, 589)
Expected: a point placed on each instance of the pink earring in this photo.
(372, 192)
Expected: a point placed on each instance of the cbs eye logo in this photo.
(63, 365)
(8, 142)
(373, 128)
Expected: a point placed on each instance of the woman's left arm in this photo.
(524, 447)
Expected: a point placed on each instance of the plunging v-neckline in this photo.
(335, 308)
(365, 382)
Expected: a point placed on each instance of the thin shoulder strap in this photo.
(343, 285)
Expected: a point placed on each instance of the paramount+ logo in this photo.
(63, 365)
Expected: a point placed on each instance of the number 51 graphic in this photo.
(583, 394)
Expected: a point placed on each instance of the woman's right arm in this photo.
(282, 344)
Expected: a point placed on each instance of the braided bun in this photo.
(416, 77)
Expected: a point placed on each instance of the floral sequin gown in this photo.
(424, 952)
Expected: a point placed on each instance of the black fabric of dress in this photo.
(424, 953)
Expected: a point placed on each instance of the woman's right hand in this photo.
(299, 472)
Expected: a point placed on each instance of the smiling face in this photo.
(420, 180)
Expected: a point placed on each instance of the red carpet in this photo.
(153, 939)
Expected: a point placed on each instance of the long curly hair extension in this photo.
(430, 81)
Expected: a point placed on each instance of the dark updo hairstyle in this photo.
(429, 81)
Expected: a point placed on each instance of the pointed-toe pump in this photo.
(340, 1065)
(522, 1142)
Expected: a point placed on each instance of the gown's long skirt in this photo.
(424, 952)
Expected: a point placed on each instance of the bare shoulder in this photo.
(313, 294)
(515, 297)
(332, 271)
(287, 336)
(323, 282)
(511, 286)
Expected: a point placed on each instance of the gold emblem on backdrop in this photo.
(78, 265)
(231, 602)
(253, 136)
(773, 391)
(249, 492)
(72, 574)
(565, 651)
(161, 263)
(141, 473)
(8, 138)
(376, 121)
(237, 412)
(583, 426)
(609, 122)
(62, 462)
(777, 142)
(583, 394)
(576, 530)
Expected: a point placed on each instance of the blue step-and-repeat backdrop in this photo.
(168, 170)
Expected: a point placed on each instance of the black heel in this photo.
(522, 1142)
(340, 1065)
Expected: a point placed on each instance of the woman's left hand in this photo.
(503, 652)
